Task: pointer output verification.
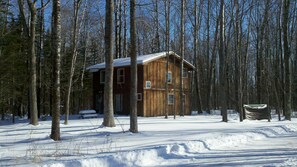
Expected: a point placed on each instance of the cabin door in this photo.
(118, 100)
(99, 103)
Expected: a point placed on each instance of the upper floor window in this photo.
(102, 76)
(121, 75)
(148, 84)
(169, 77)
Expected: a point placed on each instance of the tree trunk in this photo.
(33, 75)
(40, 60)
(133, 91)
(120, 30)
(182, 40)
(76, 6)
(116, 13)
(222, 71)
(287, 89)
(167, 17)
(211, 62)
(260, 58)
(108, 87)
(1, 95)
(125, 30)
(156, 39)
(56, 48)
(196, 60)
(245, 66)
(212, 71)
(86, 54)
(30, 36)
(238, 63)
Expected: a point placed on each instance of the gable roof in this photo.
(144, 59)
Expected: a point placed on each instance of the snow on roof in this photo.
(140, 60)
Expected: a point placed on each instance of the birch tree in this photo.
(76, 6)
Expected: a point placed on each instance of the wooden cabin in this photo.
(151, 71)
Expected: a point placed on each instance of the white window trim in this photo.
(148, 84)
(169, 102)
(167, 77)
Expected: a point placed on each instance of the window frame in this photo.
(169, 73)
(120, 76)
(102, 76)
(169, 102)
(139, 96)
(148, 84)
(185, 73)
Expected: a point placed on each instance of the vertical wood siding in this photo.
(154, 99)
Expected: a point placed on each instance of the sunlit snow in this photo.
(197, 140)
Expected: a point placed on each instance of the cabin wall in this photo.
(121, 91)
(155, 97)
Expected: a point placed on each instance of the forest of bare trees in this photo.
(244, 51)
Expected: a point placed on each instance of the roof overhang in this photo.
(141, 60)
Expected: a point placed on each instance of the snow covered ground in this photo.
(199, 140)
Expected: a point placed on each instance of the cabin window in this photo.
(148, 84)
(169, 77)
(170, 98)
(121, 75)
(102, 76)
(185, 73)
(139, 96)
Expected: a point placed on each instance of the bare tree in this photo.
(76, 6)
(211, 63)
(40, 60)
(222, 70)
(30, 35)
(125, 29)
(288, 83)
(167, 39)
(182, 40)
(238, 61)
(196, 28)
(108, 87)
(56, 48)
(245, 65)
(156, 39)
(118, 27)
(133, 90)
